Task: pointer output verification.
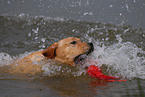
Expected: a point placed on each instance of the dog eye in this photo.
(73, 42)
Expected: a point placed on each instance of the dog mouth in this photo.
(80, 59)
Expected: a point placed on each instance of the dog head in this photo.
(69, 50)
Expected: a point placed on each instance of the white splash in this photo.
(88, 13)
(121, 59)
(5, 59)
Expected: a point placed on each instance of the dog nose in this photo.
(91, 46)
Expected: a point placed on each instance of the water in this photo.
(119, 49)
(108, 11)
(114, 48)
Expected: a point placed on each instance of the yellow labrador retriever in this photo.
(70, 50)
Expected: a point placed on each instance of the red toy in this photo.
(95, 71)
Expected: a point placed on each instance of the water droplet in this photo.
(120, 14)
(29, 34)
(36, 37)
(88, 13)
(127, 7)
(111, 6)
(9, 2)
(43, 39)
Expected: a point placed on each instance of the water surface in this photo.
(118, 37)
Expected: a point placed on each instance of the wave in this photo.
(119, 49)
(121, 59)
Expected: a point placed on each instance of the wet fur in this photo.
(62, 51)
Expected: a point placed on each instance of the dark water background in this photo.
(117, 29)
(107, 11)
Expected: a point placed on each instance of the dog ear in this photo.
(50, 51)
